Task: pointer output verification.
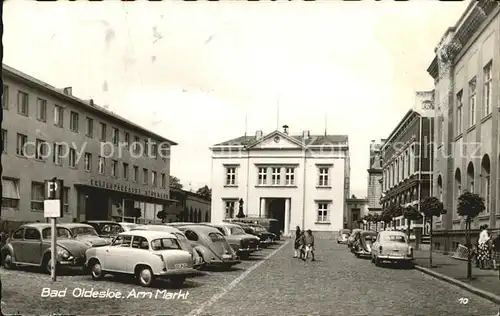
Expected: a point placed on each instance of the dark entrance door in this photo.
(96, 206)
(277, 211)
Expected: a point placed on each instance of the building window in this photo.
(114, 168)
(88, 161)
(89, 132)
(10, 193)
(22, 103)
(144, 175)
(116, 136)
(229, 207)
(323, 177)
(127, 139)
(487, 192)
(125, 171)
(146, 149)
(58, 154)
(135, 175)
(154, 151)
(460, 114)
(262, 176)
(37, 196)
(65, 199)
(230, 175)
(41, 149)
(4, 141)
(41, 110)
(323, 211)
(153, 178)
(21, 144)
(100, 165)
(472, 102)
(58, 116)
(5, 97)
(290, 176)
(102, 136)
(276, 176)
(163, 180)
(72, 158)
(137, 145)
(487, 89)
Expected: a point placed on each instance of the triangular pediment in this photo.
(276, 140)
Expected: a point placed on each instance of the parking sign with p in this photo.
(53, 204)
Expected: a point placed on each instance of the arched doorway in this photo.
(206, 217)
(486, 181)
(191, 215)
(199, 216)
(440, 191)
(470, 177)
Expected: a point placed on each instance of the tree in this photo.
(470, 205)
(205, 191)
(360, 222)
(386, 217)
(376, 220)
(431, 207)
(162, 215)
(175, 183)
(137, 213)
(411, 213)
(395, 210)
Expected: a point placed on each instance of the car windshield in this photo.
(395, 238)
(237, 231)
(370, 238)
(215, 237)
(84, 231)
(63, 233)
(165, 244)
(111, 229)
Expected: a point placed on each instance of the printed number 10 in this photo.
(463, 300)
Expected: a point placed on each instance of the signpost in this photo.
(53, 209)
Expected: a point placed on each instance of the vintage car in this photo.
(391, 246)
(128, 226)
(148, 255)
(270, 224)
(211, 245)
(266, 238)
(352, 237)
(179, 224)
(363, 245)
(241, 242)
(343, 235)
(30, 246)
(106, 229)
(183, 241)
(86, 233)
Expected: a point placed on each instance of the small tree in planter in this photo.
(411, 213)
(386, 217)
(396, 210)
(162, 215)
(376, 220)
(431, 207)
(369, 220)
(470, 205)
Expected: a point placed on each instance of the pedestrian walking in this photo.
(309, 241)
(302, 246)
(296, 245)
(496, 252)
(484, 255)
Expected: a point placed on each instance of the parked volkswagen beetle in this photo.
(343, 236)
(30, 246)
(239, 240)
(106, 229)
(86, 234)
(391, 246)
(148, 255)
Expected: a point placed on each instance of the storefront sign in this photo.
(127, 189)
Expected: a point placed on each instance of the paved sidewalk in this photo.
(485, 280)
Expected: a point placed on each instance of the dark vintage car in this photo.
(343, 235)
(30, 246)
(363, 245)
(86, 233)
(183, 241)
(352, 237)
(211, 245)
(270, 224)
(106, 229)
(266, 238)
(240, 241)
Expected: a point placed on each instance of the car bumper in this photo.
(363, 253)
(73, 262)
(342, 241)
(228, 262)
(395, 258)
(188, 273)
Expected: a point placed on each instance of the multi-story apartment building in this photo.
(298, 180)
(108, 164)
(374, 176)
(466, 75)
(407, 158)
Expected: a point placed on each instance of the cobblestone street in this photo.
(336, 284)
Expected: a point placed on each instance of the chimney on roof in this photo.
(285, 129)
(258, 135)
(68, 91)
(306, 134)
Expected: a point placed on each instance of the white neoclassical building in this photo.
(299, 180)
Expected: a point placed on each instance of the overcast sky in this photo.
(190, 71)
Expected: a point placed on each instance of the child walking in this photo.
(309, 241)
(302, 246)
(296, 245)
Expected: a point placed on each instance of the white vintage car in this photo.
(148, 255)
(391, 246)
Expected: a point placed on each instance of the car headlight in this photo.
(63, 253)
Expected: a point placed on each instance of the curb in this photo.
(484, 294)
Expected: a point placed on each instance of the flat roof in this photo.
(86, 105)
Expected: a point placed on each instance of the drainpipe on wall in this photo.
(248, 173)
(304, 194)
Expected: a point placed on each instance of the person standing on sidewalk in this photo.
(484, 251)
(309, 241)
(297, 242)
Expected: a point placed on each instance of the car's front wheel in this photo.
(96, 270)
(145, 276)
(47, 264)
(8, 261)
